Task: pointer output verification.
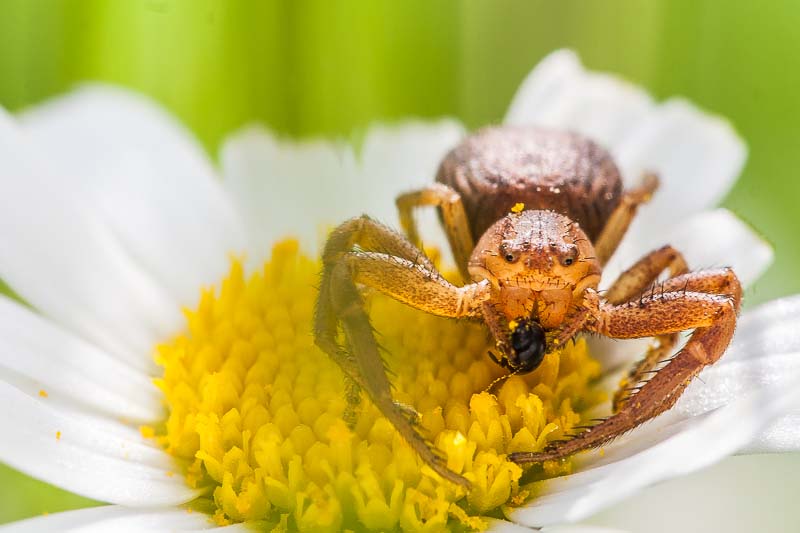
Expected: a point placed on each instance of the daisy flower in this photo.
(162, 360)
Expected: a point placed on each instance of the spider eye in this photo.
(569, 256)
(508, 254)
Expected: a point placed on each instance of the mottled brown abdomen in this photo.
(545, 169)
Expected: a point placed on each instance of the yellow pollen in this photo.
(518, 207)
(58, 435)
(256, 412)
(43, 393)
(513, 324)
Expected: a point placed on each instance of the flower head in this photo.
(125, 244)
(258, 413)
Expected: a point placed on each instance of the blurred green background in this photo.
(309, 68)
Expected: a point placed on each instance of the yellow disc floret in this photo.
(256, 411)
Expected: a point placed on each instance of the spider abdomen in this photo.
(497, 167)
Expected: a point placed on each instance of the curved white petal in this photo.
(81, 455)
(559, 93)
(111, 218)
(398, 158)
(657, 451)
(503, 526)
(696, 155)
(120, 519)
(718, 238)
(782, 436)
(577, 528)
(45, 360)
(720, 384)
(284, 188)
(770, 329)
(709, 239)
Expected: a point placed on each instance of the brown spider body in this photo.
(543, 169)
(547, 209)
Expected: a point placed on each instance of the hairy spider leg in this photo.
(634, 283)
(706, 301)
(401, 271)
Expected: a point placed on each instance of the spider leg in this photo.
(644, 273)
(711, 315)
(454, 219)
(368, 234)
(621, 218)
(631, 284)
(400, 271)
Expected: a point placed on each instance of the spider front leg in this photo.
(402, 272)
(680, 307)
(632, 284)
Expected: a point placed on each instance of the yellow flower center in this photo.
(256, 411)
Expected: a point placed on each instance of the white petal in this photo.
(765, 349)
(696, 155)
(717, 238)
(769, 329)
(396, 159)
(709, 239)
(80, 455)
(39, 356)
(655, 452)
(119, 519)
(401, 158)
(559, 93)
(782, 436)
(502, 526)
(577, 528)
(285, 189)
(543, 86)
(153, 182)
(722, 383)
(113, 219)
(301, 189)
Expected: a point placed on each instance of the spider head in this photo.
(538, 251)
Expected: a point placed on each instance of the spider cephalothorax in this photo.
(538, 263)
(548, 210)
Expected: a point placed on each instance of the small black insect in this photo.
(528, 342)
